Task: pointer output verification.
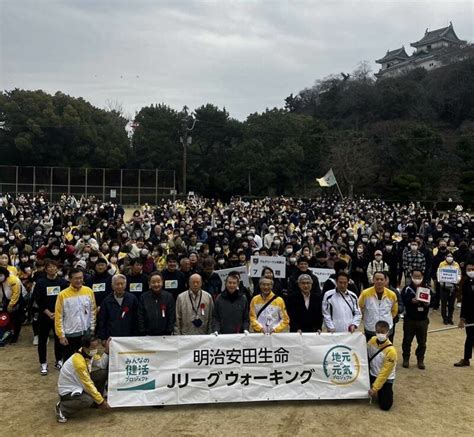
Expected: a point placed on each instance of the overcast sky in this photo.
(246, 55)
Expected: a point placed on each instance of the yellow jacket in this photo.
(374, 309)
(11, 289)
(75, 375)
(75, 312)
(383, 365)
(273, 317)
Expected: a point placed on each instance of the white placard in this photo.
(242, 270)
(449, 275)
(322, 275)
(423, 294)
(276, 263)
(113, 194)
(204, 369)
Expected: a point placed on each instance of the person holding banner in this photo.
(341, 310)
(305, 307)
(231, 314)
(382, 364)
(267, 310)
(447, 286)
(467, 314)
(194, 309)
(82, 380)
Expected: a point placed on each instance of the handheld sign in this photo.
(423, 294)
(276, 263)
(448, 275)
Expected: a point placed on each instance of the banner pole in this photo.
(340, 192)
(449, 328)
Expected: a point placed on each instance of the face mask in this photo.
(57, 233)
(238, 235)
(93, 352)
(2, 278)
(276, 242)
(389, 248)
(85, 256)
(378, 257)
(221, 262)
(470, 274)
(414, 247)
(115, 248)
(218, 250)
(15, 250)
(364, 240)
(272, 231)
(381, 337)
(416, 281)
(94, 259)
(38, 232)
(373, 241)
(145, 252)
(449, 259)
(292, 260)
(430, 240)
(76, 237)
(86, 237)
(351, 243)
(289, 250)
(55, 252)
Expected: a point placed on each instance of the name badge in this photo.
(421, 309)
(53, 291)
(172, 283)
(136, 287)
(98, 287)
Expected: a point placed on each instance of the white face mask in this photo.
(2, 278)
(470, 274)
(449, 259)
(115, 248)
(55, 252)
(381, 337)
(416, 281)
(93, 352)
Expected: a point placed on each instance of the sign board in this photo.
(322, 275)
(113, 194)
(201, 369)
(423, 294)
(449, 275)
(242, 270)
(276, 263)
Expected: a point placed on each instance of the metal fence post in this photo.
(51, 185)
(139, 185)
(69, 181)
(34, 181)
(85, 185)
(16, 182)
(103, 185)
(121, 184)
(156, 186)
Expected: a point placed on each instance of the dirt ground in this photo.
(435, 402)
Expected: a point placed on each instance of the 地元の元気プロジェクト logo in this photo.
(341, 365)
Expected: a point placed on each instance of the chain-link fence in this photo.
(125, 186)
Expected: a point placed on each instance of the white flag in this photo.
(328, 180)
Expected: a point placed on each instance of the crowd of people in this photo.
(79, 269)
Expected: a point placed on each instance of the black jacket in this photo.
(231, 313)
(414, 311)
(116, 320)
(156, 314)
(467, 305)
(174, 282)
(101, 285)
(306, 319)
(46, 292)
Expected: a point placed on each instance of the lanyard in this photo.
(347, 303)
(198, 305)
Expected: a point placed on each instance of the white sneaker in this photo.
(35, 340)
(458, 305)
(58, 364)
(44, 369)
(60, 417)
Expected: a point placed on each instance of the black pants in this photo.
(448, 298)
(74, 343)
(469, 344)
(45, 325)
(17, 317)
(411, 329)
(435, 298)
(384, 395)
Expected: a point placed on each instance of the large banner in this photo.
(236, 368)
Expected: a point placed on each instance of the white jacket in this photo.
(341, 310)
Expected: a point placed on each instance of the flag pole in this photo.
(337, 185)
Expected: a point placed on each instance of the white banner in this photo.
(236, 368)
(322, 275)
(276, 263)
(242, 270)
(448, 275)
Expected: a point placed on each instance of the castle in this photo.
(437, 48)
